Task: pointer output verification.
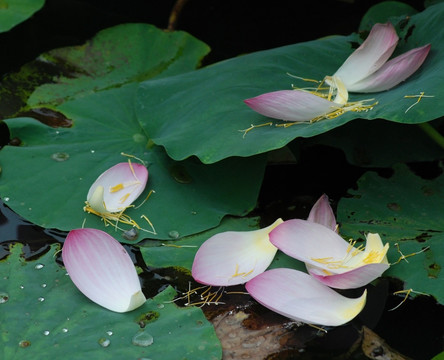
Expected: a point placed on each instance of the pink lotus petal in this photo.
(234, 257)
(305, 240)
(393, 72)
(323, 214)
(328, 257)
(300, 297)
(352, 279)
(121, 186)
(102, 270)
(291, 105)
(370, 56)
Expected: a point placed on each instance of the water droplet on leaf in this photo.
(142, 338)
(43, 285)
(173, 234)
(4, 297)
(180, 174)
(46, 332)
(104, 342)
(39, 266)
(160, 306)
(24, 343)
(139, 138)
(394, 206)
(60, 156)
(41, 299)
(109, 332)
(131, 234)
(65, 330)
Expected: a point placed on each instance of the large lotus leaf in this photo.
(113, 57)
(208, 103)
(44, 316)
(406, 211)
(13, 12)
(182, 252)
(47, 178)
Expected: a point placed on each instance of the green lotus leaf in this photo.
(119, 55)
(13, 12)
(406, 210)
(47, 178)
(43, 315)
(383, 12)
(208, 103)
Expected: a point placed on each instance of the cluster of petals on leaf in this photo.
(366, 70)
(232, 257)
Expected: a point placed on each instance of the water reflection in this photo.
(36, 239)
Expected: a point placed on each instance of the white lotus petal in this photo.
(234, 257)
(392, 72)
(122, 184)
(370, 56)
(305, 240)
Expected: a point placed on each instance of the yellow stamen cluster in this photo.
(114, 219)
(205, 295)
(354, 256)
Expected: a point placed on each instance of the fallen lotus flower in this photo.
(299, 296)
(115, 190)
(300, 105)
(234, 257)
(367, 69)
(323, 214)
(102, 270)
(328, 257)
